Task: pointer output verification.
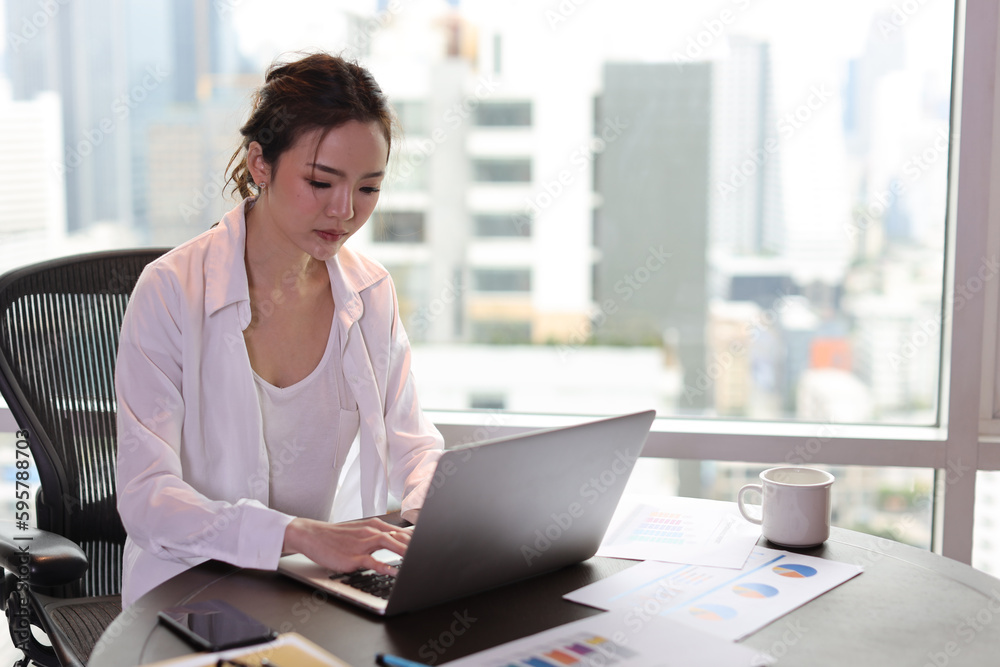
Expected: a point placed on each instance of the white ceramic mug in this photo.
(795, 505)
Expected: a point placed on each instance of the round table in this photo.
(909, 607)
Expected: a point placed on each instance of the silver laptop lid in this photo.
(515, 507)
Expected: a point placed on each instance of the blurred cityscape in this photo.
(593, 207)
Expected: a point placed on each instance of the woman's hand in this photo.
(345, 547)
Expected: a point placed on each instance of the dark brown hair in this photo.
(318, 91)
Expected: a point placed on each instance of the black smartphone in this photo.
(215, 625)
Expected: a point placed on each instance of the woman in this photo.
(251, 355)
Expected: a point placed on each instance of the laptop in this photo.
(500, 511)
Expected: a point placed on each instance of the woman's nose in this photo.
(341, 204)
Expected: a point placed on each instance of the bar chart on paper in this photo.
(581, 649)
(613, 640)
(680, 530)
(659, 527)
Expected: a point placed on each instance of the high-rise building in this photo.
(32, 200)
(486, 229)
(652, 224)
(745, 187)
(79, 51)
(184, 129)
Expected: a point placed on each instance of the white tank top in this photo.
(308, 430)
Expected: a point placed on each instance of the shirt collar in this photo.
(226, 280)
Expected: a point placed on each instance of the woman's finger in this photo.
(395, 541)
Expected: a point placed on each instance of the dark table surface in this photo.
(909, 607)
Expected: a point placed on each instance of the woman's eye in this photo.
(370, 189)
(319, 184)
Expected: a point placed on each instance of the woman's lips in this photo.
(330, 236)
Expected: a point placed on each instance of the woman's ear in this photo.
(259, 168)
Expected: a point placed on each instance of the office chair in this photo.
(59, 327)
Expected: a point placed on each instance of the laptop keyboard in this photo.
(369, 581)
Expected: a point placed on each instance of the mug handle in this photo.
(739, 501)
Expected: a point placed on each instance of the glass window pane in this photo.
(986, 533)
(400, 227)
(412, 115)
(501, 224)
(754, 210)
(502, 170)
(502, 280)
(504, 114)
(895, 503)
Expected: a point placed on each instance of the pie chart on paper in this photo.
(713, 612)
(755, 590)
(794, 571)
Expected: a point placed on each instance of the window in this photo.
(412, 115)
(504, 114)
(502, 280)
(489, 225)
(400, 227)
(499, 170)
(501, 332)
(736, 217)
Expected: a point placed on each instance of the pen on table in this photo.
(387, 660)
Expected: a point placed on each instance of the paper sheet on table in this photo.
(723, 602)
(612, 639)
(680, 530)
(289, 648)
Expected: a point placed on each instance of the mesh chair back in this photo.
(59, 330)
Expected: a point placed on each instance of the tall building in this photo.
(32, 199)
(745, 189)
(486, 229)
(652, 224)
(185, 128)
(80, 53)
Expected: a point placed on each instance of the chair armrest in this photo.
(40, 557)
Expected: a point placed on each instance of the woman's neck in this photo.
(272, 262)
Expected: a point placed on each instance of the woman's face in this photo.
(318, 195)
